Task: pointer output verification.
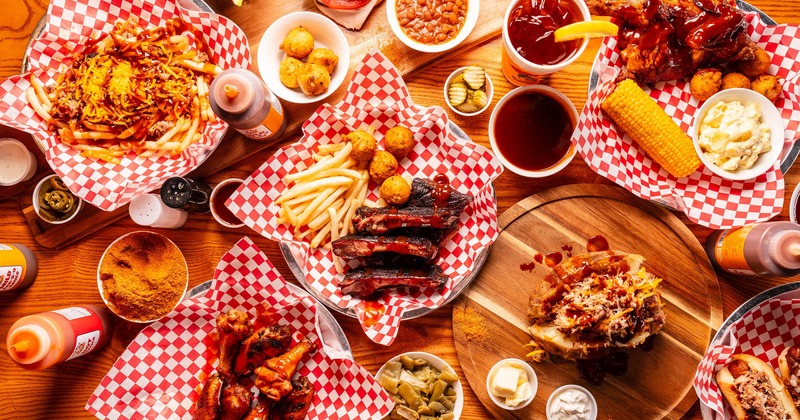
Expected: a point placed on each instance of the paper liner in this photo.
(707, 199)
(160, 373)
(763, 331)
(378, 97)
(69, 25)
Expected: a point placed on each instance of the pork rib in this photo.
(382, 220)
(360, 246)
(363, 282)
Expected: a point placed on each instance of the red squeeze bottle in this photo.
(241, 99)
(765, 249)
(43, 340)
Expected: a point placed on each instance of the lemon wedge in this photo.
(237, 2)
(590, 28)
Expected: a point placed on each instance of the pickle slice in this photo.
(468, 107)
(475, 76)
(457, 94)
(478, 98)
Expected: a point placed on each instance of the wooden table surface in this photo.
(67, 276)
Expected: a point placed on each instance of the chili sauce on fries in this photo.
(132, 89)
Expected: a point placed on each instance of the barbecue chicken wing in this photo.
(232, 328)
(662, 40)
(295, 405)
(235, 402)
(208, 403)
(273, 378)
(264, 344)
(261, 410)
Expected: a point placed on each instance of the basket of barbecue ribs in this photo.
(383, 212)
(252, 345)
(677, 54)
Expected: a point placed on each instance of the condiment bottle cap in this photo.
(233, 93)
(784, 249)
(28, 344)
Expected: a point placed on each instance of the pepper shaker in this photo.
(186, 194)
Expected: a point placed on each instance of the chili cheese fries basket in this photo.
(66, 36)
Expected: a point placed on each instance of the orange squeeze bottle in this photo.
(42, 340)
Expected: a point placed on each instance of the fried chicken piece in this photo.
(208, 403)
(272, 379)
(232, 327)
(295, 405)
(236, 400)
(264, 344)
(261, 410)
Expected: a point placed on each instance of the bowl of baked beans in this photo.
(432, 25)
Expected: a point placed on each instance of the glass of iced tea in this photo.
(530, 52)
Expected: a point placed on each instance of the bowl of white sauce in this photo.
(738, 134)
(571, 402)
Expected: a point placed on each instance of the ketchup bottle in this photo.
(43, 340)
(765, 249)
(242, 100)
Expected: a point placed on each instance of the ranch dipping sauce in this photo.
(17, 164)
(571, 402)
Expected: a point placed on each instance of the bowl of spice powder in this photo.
(142, 276)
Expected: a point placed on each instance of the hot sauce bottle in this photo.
(42, 340)
(765, 249)
(18, 267)
(241, 99)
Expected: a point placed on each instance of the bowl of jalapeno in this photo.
(54, 202)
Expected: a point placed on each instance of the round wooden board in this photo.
(658, 383)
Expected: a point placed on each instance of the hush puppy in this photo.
(767, 85)
(735, 80)
(705, 83)
(395, 190)
(313, 79)
(298, 43)
(325, 58)
(757, 66)
(288, 72)
(364, 145)
(382, 166)
(399, 141)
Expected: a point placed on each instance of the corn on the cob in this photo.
(637, 114)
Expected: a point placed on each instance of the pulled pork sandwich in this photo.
(754, 391)
(593, 305)
(789, 362)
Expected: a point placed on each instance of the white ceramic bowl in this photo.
(37, 208)
(473, 8)
(438, 364)
(578, 388)
(532, 380)
(489, 93)
(213, 197)
(769, 115)
(568, 107)
(100, 282)
(326, 35)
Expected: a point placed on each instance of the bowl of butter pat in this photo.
(738, 134)
(512, 384)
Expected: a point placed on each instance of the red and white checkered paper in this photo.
(69, 25)
(378, 97)
(159, 374)
(764, 331)
(707, 199)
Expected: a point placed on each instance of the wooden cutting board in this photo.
(490, 321)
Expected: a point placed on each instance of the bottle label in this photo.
(87, 327)
(729, 250)
(12, 267)
(271, 124)
(84, 343)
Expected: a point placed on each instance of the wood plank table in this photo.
(67, 275)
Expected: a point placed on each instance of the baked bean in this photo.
(431, 21)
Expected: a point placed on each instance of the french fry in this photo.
(336, 181)
(339, 157)
(39, 89)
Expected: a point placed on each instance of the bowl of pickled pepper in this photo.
(54, 202)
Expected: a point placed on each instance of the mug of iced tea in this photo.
(530, 52)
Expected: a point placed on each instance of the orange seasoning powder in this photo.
(144, 276)
(471, 323)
